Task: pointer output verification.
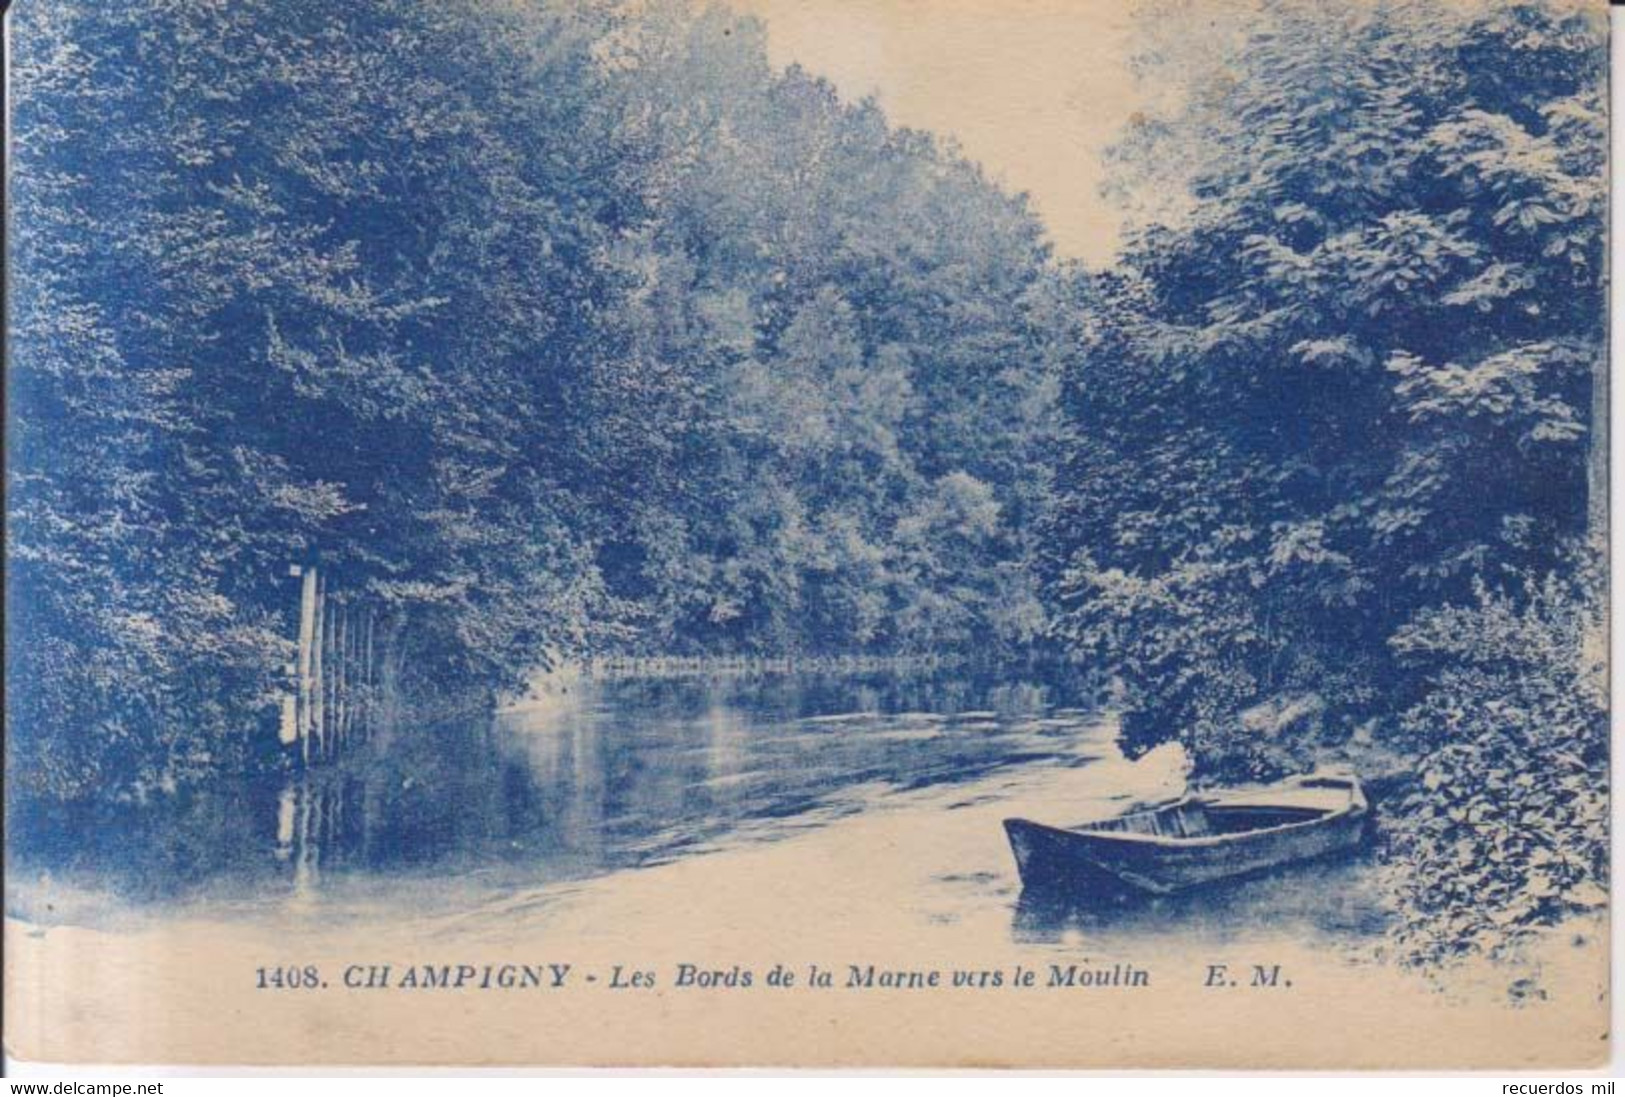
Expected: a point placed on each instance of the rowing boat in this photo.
(1198, 840)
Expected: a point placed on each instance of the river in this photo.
(823, 827)
(596, 780)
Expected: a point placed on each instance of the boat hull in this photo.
(1052, 857)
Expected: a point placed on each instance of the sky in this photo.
(1034, 90)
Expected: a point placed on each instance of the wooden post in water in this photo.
(341, 667)
(371, 678)
(307, 629)
(287, 732)
(335, 676)
(335, 716)
(330, 678)
(358, 683)
(352, 673)
(318, 715)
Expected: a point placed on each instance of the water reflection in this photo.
(1332, 899)
(313, 824)
(580, 779)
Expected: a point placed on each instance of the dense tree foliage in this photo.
(845, 311)
(552, 330)
(1327, 436)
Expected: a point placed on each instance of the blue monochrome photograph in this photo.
(807, 533)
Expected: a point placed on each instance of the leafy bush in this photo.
(1506, 827)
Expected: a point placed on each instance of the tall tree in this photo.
(1357, 376)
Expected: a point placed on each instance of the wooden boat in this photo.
(1199, 839)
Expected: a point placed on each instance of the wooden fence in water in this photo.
(337, 681)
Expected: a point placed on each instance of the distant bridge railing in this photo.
(683, 666)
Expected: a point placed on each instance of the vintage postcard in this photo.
(913, 533)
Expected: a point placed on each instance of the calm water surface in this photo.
(590, 778)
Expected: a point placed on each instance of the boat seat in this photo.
(1189, 821)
